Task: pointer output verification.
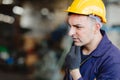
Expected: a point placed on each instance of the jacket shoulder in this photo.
(113, 54)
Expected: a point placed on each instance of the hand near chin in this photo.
(73, 60)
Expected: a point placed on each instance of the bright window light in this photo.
(7, 19)
(18, 10)
(7, 1)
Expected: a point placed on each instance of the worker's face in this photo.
(81, 29)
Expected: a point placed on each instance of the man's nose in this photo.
(71, 32)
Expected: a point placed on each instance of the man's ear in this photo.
(97, 27)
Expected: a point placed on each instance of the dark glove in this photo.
(73, 58)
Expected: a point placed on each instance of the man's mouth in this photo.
(75, 39)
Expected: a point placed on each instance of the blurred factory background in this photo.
(33, 37)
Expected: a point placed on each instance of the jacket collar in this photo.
(103, 46)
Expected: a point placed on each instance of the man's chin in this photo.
(77, 44)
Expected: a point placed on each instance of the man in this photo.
(92, 55)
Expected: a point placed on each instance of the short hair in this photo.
(96, 18)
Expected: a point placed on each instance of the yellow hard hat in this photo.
(87, 7)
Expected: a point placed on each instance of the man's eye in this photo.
(78, 27)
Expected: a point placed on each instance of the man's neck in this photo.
(87, 49)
